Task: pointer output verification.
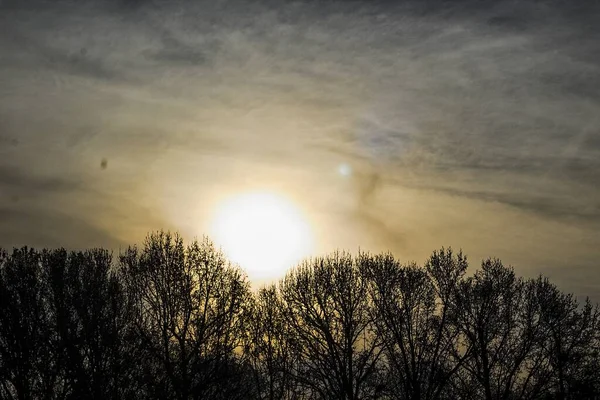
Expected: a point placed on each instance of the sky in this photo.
(402, 126)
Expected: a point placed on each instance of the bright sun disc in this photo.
(262, 232)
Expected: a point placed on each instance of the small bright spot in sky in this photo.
(345, 169)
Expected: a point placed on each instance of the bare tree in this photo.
(189, 315)
(61, 326)
(22, 326)
(571, 342)
(500, 321)
(268, 347)
(327, 307)
(179, 322)
(413, 308)
(89, 321)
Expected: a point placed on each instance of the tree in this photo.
(413, 308)
(571, 342)
(268, 347)
(23, 327)
(499, 318)
(332, 331)
(89, 321)
(189, 308)
(61, 326)
(178, 322)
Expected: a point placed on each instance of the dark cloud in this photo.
(547, 207)
(82, 136)
(368, 184)
(175, 51)
(178, 55)
(29, 183)
(76, 61)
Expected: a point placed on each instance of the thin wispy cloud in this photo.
(461, 122)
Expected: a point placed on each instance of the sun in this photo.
(263, 232)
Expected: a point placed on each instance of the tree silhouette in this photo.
(62, 326)
(269, 349)
(23, 325)
(327, 307)
(189, 307)
(174, 321)
(500, 321)
(413, 308)
(571, 342)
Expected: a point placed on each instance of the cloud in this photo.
(46, 228)
(440, 108)
(22, 182)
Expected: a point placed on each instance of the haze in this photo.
(392, 126)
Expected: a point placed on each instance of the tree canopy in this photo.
(173, 321)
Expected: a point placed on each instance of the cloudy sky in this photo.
(472, 125)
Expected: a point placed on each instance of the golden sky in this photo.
(476, 127)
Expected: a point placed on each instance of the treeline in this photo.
(169, 321)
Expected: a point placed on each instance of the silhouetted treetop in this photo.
(170, 320)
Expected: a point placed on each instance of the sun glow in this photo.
(263, 232)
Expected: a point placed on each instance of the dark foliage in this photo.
(170, 321)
